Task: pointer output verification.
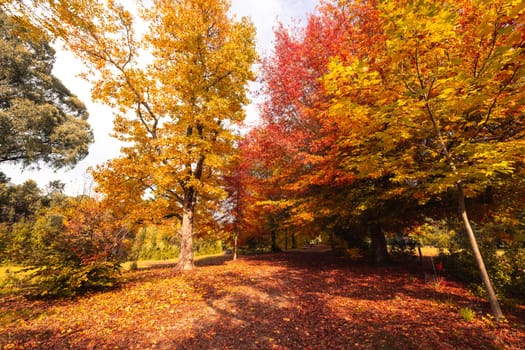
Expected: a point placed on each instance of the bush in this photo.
(69, 280)
(202, 246)
(510, 272)
(156, 242)
(402, 245)
(16, 238)
(75, 248)
(506, 270)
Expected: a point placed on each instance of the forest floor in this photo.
(304, 299)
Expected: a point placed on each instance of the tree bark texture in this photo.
(186, 240)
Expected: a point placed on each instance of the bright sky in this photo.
(264, 13)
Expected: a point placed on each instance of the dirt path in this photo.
(294, 300)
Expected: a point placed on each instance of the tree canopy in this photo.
(41, 121)
(395, 110)
(177, 89)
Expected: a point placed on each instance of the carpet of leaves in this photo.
(293, 300)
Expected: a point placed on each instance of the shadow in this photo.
(198, 261)
(290, 300)
(18, 308)
(319, 301)
(25, 339)
(212, 260)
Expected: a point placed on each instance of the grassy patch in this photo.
(147, 264)
(9, 278)
(467, 314)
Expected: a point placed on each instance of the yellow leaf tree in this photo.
(176, 76)
(443, 100)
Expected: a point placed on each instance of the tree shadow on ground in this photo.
(320, 302)
(213, 260)
(293, 300)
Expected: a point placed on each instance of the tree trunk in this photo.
(294, 241)
(493, 300)
(491, 294)
(235, 242)
(378, 244)
(186, 240)
(275, 247)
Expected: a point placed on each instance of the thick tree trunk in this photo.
(186, 240)
(378, 244)
(275, 247)
(491, 294)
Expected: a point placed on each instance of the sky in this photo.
(265, 14)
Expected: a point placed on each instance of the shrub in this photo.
(506, 270)
(435, 233)
(509, 272)
(203, 246)
(75, 248)
(156, 242)
(402, 245)
(17, 239)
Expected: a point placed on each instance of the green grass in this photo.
(146, 264)
(6, 272)
(8, 278)
(433, 251)
(429, 251)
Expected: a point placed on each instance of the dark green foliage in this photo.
(19, 206)
(402, 245)
(68, 281)
(19, 202)
(40, 120)
(18, 237)
(505, 266)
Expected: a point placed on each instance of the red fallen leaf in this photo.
(366, 308)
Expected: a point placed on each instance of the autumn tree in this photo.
(443, 108)
(258, 197)
(40, 119)
(277, 147)
(300, 138)
(178, 89)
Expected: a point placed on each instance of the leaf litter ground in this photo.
(292, 300)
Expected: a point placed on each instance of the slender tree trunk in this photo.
(491, 294)
(235, 242)
(294, 241)
(186, 239)
(378, 244)
(493, 300)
